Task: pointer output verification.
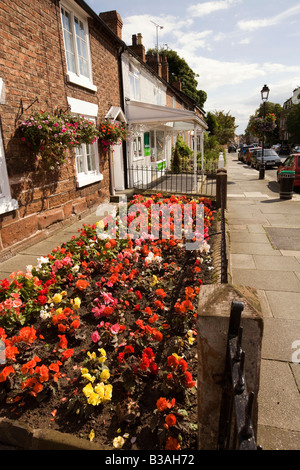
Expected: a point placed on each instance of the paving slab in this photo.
(284, 239)
(253, 249)
(284, 304)
(266, 280)
(276, 263)
(280, 335)
(280, 404)
(17, 263)
(272, 438)
(242, 261)
(249, 237)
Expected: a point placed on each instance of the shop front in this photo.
(153, 133)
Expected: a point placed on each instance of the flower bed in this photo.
(100, 338)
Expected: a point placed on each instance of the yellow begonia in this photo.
(100, 224)
(91, 355)
(88, 376)
(59, 311)
(92, 435)
(76, 303)
(155, 281)
(102, 357)
(57, 298)
(88, 389)
(118, 442)
(107, 393)
(99, 388)
(105, 375)
(94, 399)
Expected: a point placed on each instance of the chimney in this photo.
(165, 68)
(154, 62)
(138, 47)
(113, 21)
(177, 84)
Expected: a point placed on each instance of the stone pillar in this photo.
(212, 328)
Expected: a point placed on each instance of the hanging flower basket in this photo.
(51, 136)
(261, 125)
(112, 133)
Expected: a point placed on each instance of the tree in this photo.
(270, 108)
(180, 70)
(293, 123)
(225, 127)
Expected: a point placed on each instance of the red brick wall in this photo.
(32, 64)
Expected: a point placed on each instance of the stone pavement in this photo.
(264, 253)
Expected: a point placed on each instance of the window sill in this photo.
(85, 180)
(80, 81)
(8, 205)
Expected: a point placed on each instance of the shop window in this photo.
(137, 147)
(157, 139)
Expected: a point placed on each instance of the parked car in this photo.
(292, 163)
(242, 151)
(296, 149)
(247, 156)
(276, 147)
(271, 158)
(284, 149)
(232, 148)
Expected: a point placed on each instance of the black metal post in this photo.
(262, 164)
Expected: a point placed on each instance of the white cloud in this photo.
(144, 24)
(192, 40)
(206, 8)
(252, 25)
(245, 41)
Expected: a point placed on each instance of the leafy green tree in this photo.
(180, 70)
(225, 127)
(211, 121)
(293, 123)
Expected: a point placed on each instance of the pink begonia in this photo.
(95, 337)
(114, 329)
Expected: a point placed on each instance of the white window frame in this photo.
(138, 147)
(77, 78)
(89, 111)
(7, 204)
(134, 82)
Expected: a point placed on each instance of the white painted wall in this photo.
(149, 84)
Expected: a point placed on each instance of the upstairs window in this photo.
(134, 78)
(77, 49)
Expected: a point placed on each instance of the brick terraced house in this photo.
(54, 55)
(61, 55)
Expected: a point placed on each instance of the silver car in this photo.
(271, 158)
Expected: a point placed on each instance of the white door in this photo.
(117, 168)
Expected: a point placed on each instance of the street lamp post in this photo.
(264, 96)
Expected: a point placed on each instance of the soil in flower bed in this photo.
(101, 339)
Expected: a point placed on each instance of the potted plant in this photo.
(51, 136)
(112, 133)
(263, 124)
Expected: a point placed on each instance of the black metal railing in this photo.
(164, 180)
(235, 427)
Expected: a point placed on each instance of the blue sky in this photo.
(236, 46)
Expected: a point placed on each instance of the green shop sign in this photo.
(147, 149)
(161, 165)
